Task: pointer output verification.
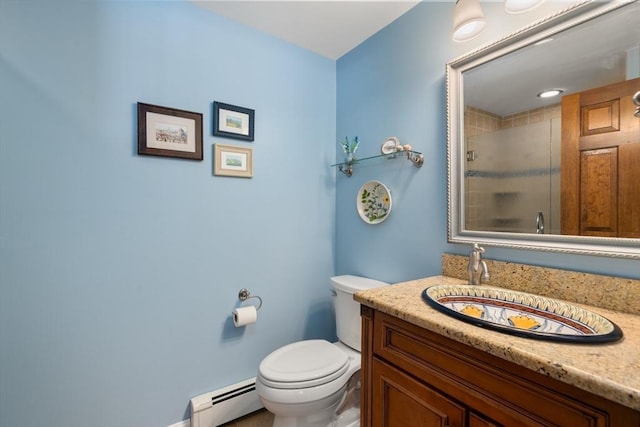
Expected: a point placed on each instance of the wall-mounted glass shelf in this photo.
(414, 157)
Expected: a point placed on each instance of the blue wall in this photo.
(394, 85)
(118, 272)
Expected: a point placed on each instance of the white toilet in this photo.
(303, 383)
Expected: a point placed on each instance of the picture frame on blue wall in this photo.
(230, 160)
(232, 121)
(169, 132)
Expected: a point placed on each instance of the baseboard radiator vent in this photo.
(224, 405)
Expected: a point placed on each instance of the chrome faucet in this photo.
(477, 268)
(540, 223)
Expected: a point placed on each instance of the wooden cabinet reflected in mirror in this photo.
(601, 162)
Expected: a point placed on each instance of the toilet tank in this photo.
(348, 324)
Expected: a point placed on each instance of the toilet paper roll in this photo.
(245, 316)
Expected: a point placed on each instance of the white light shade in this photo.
(468, 20)
(521, 6)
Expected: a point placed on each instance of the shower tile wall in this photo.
(516, 171)
(477, 121)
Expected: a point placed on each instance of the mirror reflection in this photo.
(567, 164)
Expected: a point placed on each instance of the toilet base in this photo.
(318, 419)
(312, 414)
(349, 418)
(325, 417)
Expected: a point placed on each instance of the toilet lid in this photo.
(303, 364)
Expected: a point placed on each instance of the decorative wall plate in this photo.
(373, 202)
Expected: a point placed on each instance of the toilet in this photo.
(311, 383)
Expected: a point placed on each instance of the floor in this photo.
(261, 418)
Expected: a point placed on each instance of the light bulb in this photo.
(468, 20)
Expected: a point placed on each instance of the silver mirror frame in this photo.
(456, 154)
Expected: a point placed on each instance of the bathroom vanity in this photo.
(423, 368)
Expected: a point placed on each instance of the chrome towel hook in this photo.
(244, 295)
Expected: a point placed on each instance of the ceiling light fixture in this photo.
(521, 6)
(468, 20)
(550, 93)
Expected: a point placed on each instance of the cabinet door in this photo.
(401, 400)
(599, 162)
(476, 420)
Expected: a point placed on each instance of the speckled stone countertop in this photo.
(613, 293)
(610, 370)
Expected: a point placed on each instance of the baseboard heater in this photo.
(224, 405)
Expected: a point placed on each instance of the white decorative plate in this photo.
(373, 202)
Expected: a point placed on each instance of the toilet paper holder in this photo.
(244, 295)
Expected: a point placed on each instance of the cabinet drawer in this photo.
(502, 391)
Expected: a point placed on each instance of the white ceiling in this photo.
(334, 27)
(330, 28)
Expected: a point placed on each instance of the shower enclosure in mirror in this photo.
(558, 173)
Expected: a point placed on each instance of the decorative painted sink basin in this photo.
(521, 314)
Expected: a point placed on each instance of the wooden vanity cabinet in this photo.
(413, 377)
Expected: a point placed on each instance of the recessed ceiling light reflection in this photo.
(550, 93)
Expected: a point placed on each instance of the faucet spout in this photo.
(485, 271)
(477, 268)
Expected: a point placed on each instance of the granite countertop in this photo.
(609, 370)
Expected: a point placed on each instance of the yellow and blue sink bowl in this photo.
(522, 314)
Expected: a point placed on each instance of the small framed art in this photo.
(231, 121)
(229, 160)
(169, 132)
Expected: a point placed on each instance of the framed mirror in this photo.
(536, 172)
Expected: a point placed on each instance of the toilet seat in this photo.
(303, 364)
(277, 394)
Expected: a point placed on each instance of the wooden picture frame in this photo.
(230, 160)
(169, 132)
(231, 121)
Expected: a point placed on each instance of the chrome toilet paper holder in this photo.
(244, 295)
